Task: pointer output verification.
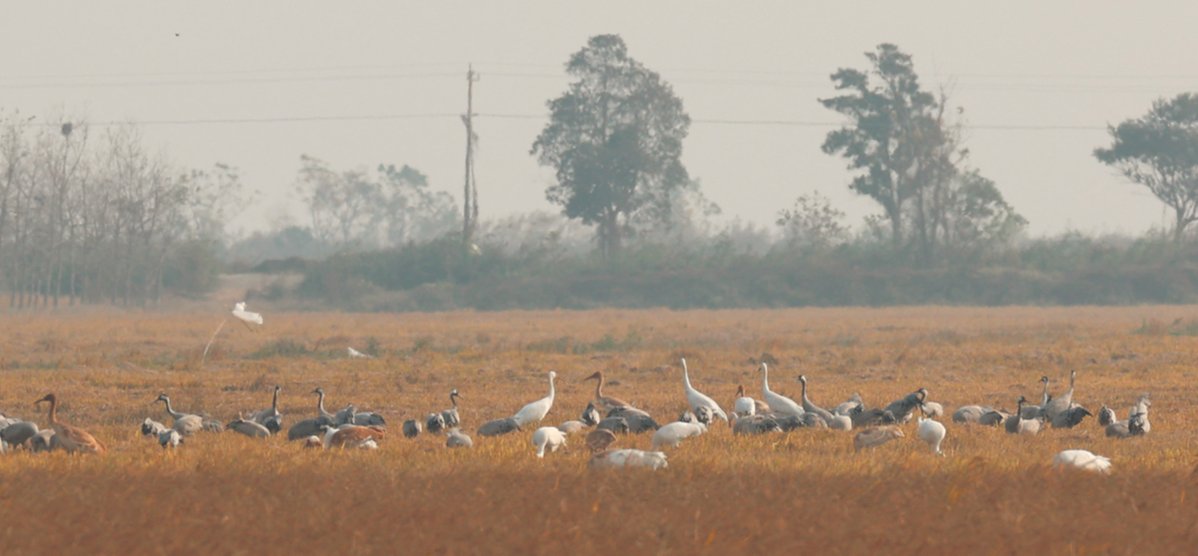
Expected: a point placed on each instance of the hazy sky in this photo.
(359, 83)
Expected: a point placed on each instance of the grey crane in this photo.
(457, 439)
(1070, 417)
(450, 416)
(1017, 424)
(411, 428)
(1061, 403)
(170, 438)
(1134, 426)
(311, 427)
(250, 428)
(755, 424)
(590, 415)
(640, 421)
(16, 434)
(499, 427)
(1106, 416)
(186, 423)
(810, 406)
(847, 407)
(270, 417)
(434, 423)
(614, 424)
(863, 417)
(1033, 411)
(832, 420)
(149, 427)
(904, 407)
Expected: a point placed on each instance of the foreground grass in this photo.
(224, 494)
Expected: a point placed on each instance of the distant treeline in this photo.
(1068, 270)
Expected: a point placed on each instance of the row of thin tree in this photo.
(94, 217)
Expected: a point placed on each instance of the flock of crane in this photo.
(605, 417)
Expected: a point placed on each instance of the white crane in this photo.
(932, 432)
(697, 399)
(534, 412)
(1082, 459)
(744, 406)
(778, 403)
(628, 457)
(674, 433)
(548, 438)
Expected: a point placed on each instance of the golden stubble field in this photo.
(992, 493)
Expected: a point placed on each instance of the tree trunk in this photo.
(1179, 227)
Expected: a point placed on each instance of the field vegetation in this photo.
(808, 490)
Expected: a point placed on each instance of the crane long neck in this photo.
(1044, 397)
(551, 390)
(453, 399)
(274, 401)
(765, 377)
(599, 387)
(686, 376)
(170, 410)
(53, 417)
(804, 382)
(320, 403)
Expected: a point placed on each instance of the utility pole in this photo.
(470, 190)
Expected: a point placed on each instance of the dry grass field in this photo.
(992, 493)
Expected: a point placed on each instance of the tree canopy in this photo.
(614, 139)
(1160, 151)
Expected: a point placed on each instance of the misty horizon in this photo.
(259, 90)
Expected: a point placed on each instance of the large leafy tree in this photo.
(894, 139)
(1160, 151)
(615, 140)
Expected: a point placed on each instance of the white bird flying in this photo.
(248, 317)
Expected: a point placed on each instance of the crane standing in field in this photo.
(697, 399)
(548, 438)
(186, 423)
(70, 438)
(932, 432)
(534, 412)
(607, 403)
(450, 416)
(311, 427)
(270, 417)
(779, 404)
(834, 421)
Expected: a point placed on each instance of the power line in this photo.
(518, 116)
(250, 80)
